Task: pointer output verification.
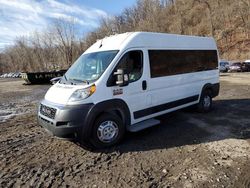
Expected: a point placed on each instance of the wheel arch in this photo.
(117, 106)
(214, 88)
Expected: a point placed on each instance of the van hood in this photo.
(60, 93)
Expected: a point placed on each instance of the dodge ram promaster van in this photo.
(122, 82)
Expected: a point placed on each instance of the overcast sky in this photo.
(22, 17)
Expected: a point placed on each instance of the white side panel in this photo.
(163, 90)
(171, 88)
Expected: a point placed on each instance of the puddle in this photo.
(8, 111)
(21, 104)
(5, 116)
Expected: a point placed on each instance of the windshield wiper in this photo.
(65, 77)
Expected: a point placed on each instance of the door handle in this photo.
(144, 85)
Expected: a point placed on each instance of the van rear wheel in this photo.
(107, 131)
(205, 103)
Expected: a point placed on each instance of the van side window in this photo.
(132, 62)
(173, 62)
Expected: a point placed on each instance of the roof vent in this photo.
(100, 44)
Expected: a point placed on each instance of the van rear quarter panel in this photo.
(171, 88)
(167, 89)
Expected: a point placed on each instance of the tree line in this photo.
(228, 21)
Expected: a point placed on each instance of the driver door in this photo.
(134, 94)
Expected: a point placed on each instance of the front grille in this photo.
(47, 111)
(45, 120)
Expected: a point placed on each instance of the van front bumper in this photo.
(64, 121)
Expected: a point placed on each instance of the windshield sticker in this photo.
(118, 91)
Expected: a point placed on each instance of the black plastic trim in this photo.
(166, 106)
(216, 89)
(109, 106)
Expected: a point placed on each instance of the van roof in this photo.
(153, 41)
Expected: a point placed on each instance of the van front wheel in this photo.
(205, 103)
(108, 130)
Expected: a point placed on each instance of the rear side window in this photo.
(173, 62)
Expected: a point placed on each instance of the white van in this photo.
(122, 82)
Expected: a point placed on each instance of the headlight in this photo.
(81, 94)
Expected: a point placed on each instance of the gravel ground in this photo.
(187, 149)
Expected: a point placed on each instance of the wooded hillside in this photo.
(228, 21)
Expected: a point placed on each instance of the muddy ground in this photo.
(187, 149)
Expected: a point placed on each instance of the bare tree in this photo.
(65, 36)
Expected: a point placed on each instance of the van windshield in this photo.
(89, 67)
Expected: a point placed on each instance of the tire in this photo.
(205, 103)
(107, 131)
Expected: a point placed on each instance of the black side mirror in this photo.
(122, 77)
(55, 80)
